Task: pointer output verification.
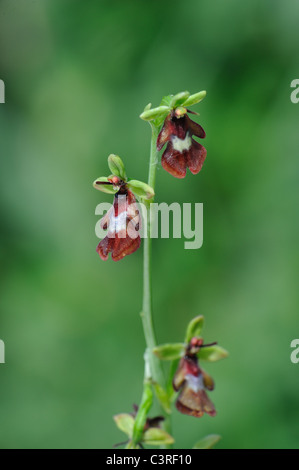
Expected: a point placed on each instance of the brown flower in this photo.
(182, 150)
(192, 382)
(122, 222)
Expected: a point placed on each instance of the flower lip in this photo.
(123, 223)
(182, 151)
(192, 382)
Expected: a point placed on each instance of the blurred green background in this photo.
(77, 75)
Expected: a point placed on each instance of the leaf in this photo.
(157, 437)
(125, 423)
(170, 352)
(141, 189)
(117, 166)
(196, 98)
(194, 328)
(179, 99)
(212, 353)
(162, 397)
(98, 184)
(207, 442)
(155, 113)
(143, 409)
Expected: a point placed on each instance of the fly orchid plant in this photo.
(187, 383)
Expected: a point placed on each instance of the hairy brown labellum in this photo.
(192, 382)
(182, 150)
(123, 223)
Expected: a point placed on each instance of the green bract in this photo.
(125, 423)
(157, 437)
(207, 442)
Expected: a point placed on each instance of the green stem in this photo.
(147, 308)
(147, 315)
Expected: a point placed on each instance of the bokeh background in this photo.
(77, 75)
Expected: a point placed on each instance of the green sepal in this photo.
(170, 352)
(125, 422)
(194, 328)
(157, 437)
(147, 107)
(117, 166)
(212, 353)
(207, 442)
(166, 100)
(196, 98)
(155, 113)
(109, 189)
(179, 99)
(141, 189)
(162, 396)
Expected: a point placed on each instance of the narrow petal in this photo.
(174, 162)
(207, 380)
(104, 222)
(196, 157)
(179, 376)
(165, 134)
(195, 128)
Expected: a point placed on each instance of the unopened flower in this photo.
(192, 382)
(123, 220)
